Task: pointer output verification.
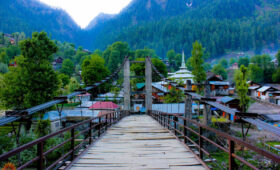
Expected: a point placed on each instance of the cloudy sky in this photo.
(83, 11)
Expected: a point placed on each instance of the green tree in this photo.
(220, 70)
(241, 86)
(174, 96)
(232, 61)
(224, 63)
(139, 69)
(94, 70)
(278, 57)
(114, 54)
(3, 68)
(197, 64)
(255, 73)
(33, 81)
(142, 53)
(243, 61)
(64, 79)
(43, 128)
(4, 58)
(67, 67)
(276, 76)
(73, 85)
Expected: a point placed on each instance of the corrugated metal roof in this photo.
(160, 87)
(225, 99)
(264, 88)
(253, 87)
(222, 107)
(221, 83)
(140, 85)
(262, 125)
(104, 105)
(173, 107)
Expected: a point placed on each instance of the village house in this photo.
(266, 92)
(218, 86)
(57, 63)
(230, 102)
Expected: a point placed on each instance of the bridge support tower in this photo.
(148, 77)
(127, 86)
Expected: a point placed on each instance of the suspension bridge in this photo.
(154, 140)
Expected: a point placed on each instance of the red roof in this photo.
(104, 105)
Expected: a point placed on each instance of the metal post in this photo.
(200, 142)
(185, 131)
(175, 125)
(168, 121)
(231, 158)
(148, 85)
(72, 143)
(99, 126)
(40, 153)
(207, 109)
(90, 132)
(127, 85)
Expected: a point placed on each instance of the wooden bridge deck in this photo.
(138, 142)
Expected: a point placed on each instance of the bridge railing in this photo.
(95, 127)
(188, 129)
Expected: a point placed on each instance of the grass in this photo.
(239, 134)
(215, 119)
(272, 143)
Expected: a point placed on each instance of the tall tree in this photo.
(115, 54)
(67, 67)
(94, 70)
(243, 61)
(240, 78)
(224, 63)
(278, 57)
(197, 63)
(220, 70)
(33, 81)
(256, 73)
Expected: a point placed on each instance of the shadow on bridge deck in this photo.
(137, 142)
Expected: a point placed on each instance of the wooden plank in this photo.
(137, 142)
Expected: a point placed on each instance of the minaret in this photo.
(183, 65)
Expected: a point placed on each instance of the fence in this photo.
(96, 126)
(184, 128)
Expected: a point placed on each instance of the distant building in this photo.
(234, 66)
(275, 62)
(266, 92)
(57, 63)
(183, 74)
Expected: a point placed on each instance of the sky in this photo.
(83, 11)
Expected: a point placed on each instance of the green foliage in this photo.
(220, 70)
(3, 68)
(278, 57)
(67, 67)
(174, 96)
(64, 79)
(43, 128)
(232, 61)
(264, 63)
(142, 53)
(243, 61)
(73, 85)
(114, 54)
(197, 63)
(255, 73)
(4, 58)
(276, 76)
(32, 81)
(94, 70)
(241, 86)
(139, 69)
(224, 63)
(174, 59)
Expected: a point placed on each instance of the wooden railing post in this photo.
(99, 126)
(185, 131)
(175, 125)
(200, 142)
(232, 164)
(106, 120)
(72, 143)
(40, 151)
(168, 121)
(90, 132)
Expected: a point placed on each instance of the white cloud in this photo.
(83, 11)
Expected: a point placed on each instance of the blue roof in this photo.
(226, 99)
(219, 83)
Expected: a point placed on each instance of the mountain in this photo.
(219, 25)
(31, 15)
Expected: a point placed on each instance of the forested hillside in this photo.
(30, 15)
(162, 25)
(219, 25)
